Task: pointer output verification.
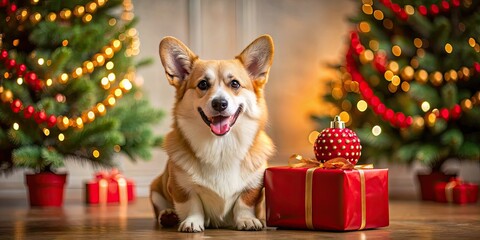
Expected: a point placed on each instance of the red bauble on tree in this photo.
(21, 68)
(3, 3)
(30, 78)
(11, 64)
(3, 55)
(337, 141)
(40, 117)
(51, 121)
(28, 111)
(16, 105)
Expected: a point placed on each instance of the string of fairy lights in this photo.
(115, 85)
(399, 78)
(22, 15)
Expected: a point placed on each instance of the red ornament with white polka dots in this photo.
(337, 141)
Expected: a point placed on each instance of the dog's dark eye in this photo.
(235, 84)
(203, 85)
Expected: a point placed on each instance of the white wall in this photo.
(308, 34)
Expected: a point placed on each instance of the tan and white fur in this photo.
(217, 149)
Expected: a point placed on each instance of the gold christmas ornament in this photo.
(6, 96)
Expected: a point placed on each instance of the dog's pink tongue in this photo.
(220, 125)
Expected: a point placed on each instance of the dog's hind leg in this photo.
(159, 203)
(164, 212)
(162, 205)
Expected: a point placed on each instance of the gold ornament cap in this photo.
(337, 123)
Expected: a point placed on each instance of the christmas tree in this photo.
(67, 84)
(410, 82)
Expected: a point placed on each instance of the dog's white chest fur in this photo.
(218, 190)
(217, 176)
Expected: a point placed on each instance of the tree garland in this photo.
(396, 119)
(432, 10)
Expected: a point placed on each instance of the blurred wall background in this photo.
(308, 35)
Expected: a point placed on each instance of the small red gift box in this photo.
(456, 191)
(109, 187)
(326, 199)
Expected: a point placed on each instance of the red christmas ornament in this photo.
(408, 121)
(40, 117)
(37, 85)
(456, 111)
(3, 3)
(445, 5)
(399, 119)
(396, 8)
(28, 111)
(444, 113)
(21, 69)
(423, 10)
(3, 55)
(12, 9)
(434, 9)
(30, 77)
(387, 3)
(476, 65)
(403, 15)
(51, 121)
(16, 105)
(11, 63)
(337, 141)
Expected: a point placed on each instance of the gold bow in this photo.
(298, 161)
(449, 188)
(104, 178)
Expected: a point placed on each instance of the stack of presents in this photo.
(330, 192)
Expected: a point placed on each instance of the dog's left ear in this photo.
(177, 59)
(257, 59)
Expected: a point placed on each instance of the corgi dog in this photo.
(217, 148)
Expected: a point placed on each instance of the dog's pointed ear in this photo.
(257, 59)
(177, 59)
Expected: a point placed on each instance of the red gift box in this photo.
(456, 191)
(326, 199)
(109, 187)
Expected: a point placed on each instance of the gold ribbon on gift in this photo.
(297, 161)
(122, 190)
(363, 199)
(449, 189)
(103, 191)
(103, 183)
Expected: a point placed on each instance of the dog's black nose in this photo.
(219, 104)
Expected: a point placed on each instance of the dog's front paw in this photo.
(192, 224)
(249, 224)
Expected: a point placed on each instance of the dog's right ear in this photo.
(257, 59)
(177, 59)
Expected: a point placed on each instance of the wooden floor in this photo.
(408, 220)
